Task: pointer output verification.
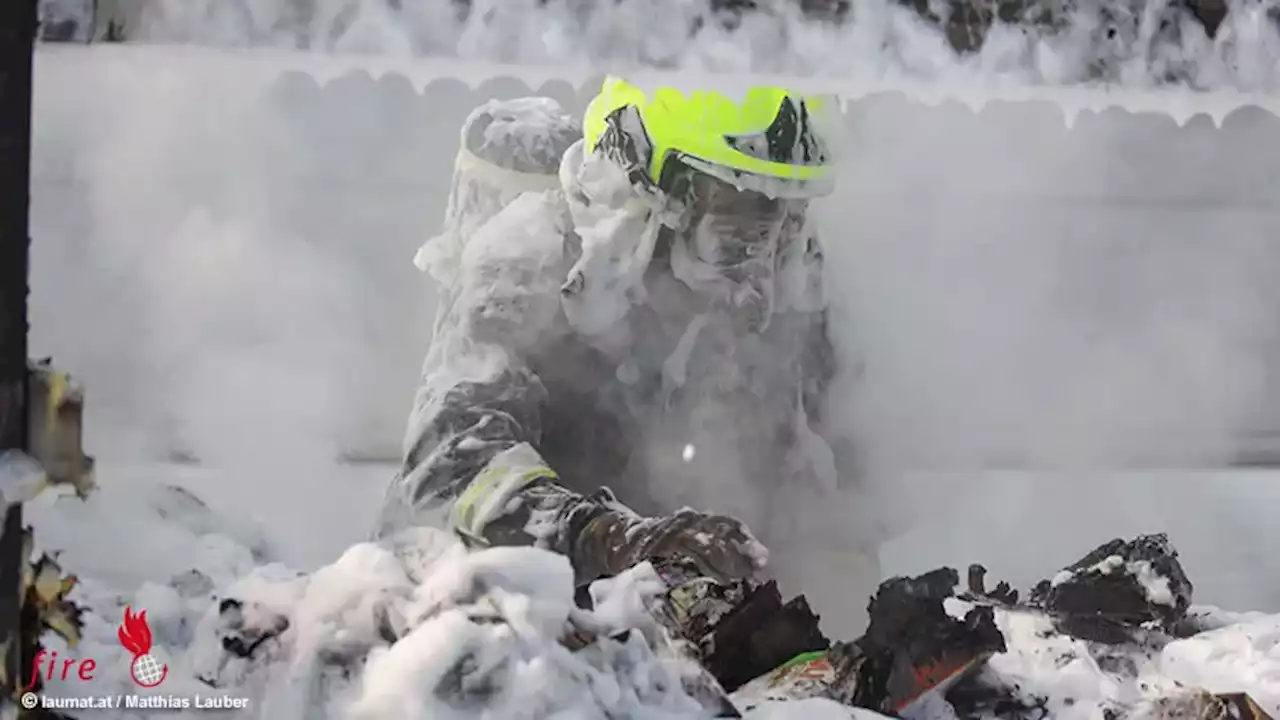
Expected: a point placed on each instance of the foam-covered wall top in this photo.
(264, 64)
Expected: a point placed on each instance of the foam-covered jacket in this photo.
(565, 361)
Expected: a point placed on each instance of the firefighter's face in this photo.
(730, 245)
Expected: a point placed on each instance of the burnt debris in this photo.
(928, 638)
(913, 643)
(760, 635)
(1119, 587)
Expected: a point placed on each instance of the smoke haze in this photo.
(224, 258)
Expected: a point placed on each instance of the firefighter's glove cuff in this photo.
(721, 548)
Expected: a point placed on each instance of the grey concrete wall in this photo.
(1017, 289)
(1104, 291)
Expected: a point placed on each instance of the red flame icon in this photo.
(135, 636)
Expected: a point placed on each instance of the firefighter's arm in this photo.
(478, 412)
(473, 460)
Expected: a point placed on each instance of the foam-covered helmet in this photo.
(767, 139)
(724, 178)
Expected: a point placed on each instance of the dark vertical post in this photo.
(17, 46)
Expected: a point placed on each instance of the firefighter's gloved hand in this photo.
(722, 548)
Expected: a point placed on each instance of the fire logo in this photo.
(135, 636)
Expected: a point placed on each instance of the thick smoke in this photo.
(228, 268)
(205, 273)
(1067, 305)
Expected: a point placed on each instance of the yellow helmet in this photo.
(771, 140)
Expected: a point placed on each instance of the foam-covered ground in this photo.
(176, 557)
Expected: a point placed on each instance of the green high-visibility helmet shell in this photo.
(766, 136)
